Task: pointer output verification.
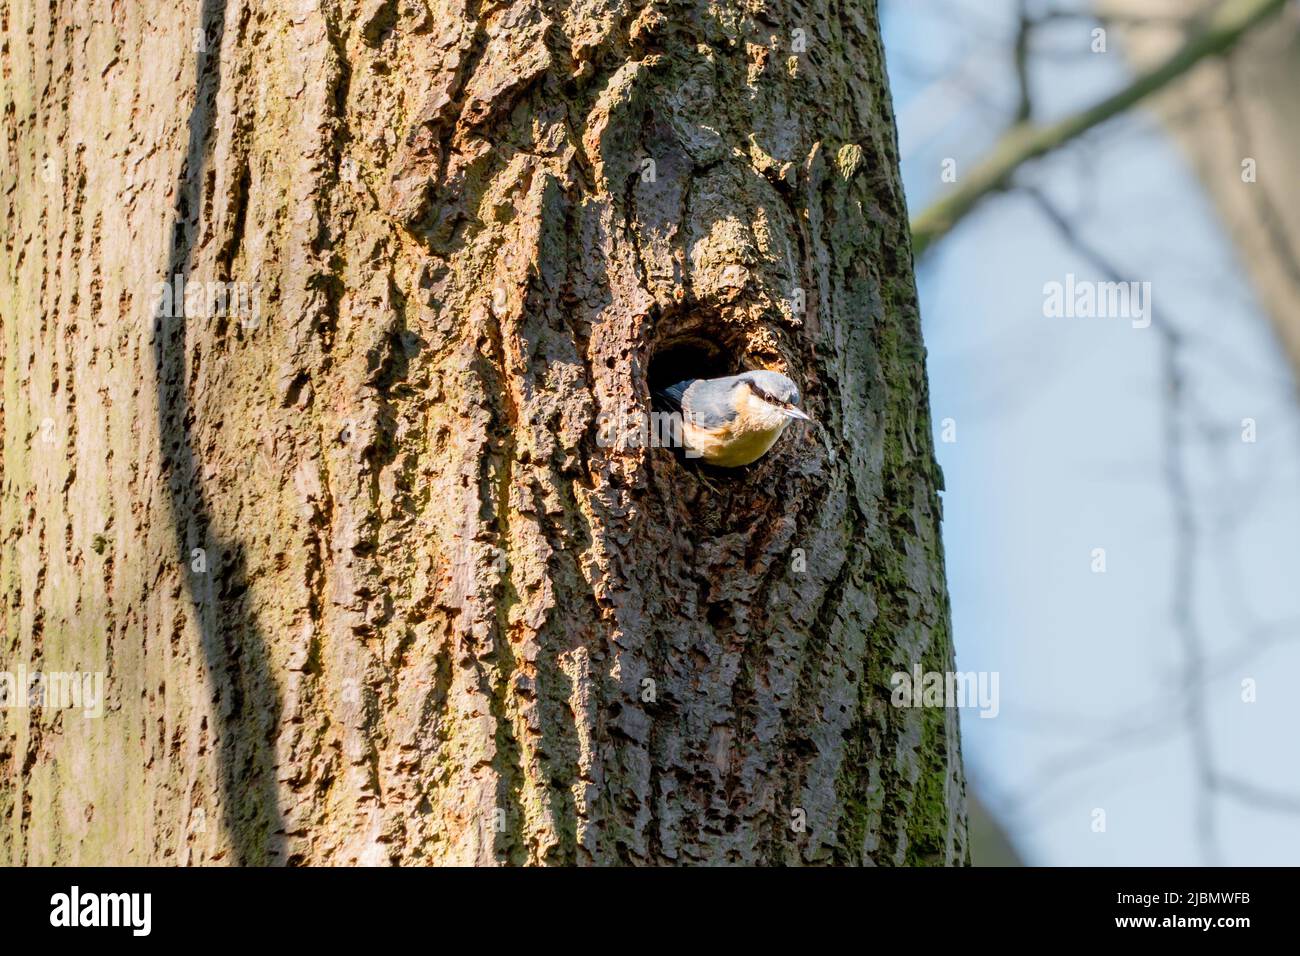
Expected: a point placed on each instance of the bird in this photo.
(733, 421)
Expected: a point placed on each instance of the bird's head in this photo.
(772, 393)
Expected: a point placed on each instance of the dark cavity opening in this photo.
(680, 360)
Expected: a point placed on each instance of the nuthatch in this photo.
(733, 421)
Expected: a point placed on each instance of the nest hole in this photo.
(678, 361)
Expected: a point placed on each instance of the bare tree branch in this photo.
(1247, 792)
(1024, 32)
(1025, 141)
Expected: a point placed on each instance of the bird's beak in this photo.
(795, 413)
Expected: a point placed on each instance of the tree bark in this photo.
(365, 577)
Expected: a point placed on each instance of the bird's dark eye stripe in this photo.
(767, 396)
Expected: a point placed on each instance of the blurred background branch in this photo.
(1025, 141)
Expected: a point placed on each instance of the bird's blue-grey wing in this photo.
(709, 404)
(670, 399)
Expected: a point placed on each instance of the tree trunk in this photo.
(365, 573)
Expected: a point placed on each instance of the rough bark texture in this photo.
(440, 620)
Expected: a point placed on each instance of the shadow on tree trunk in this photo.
(247, 701)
